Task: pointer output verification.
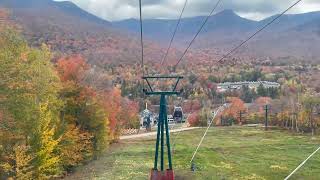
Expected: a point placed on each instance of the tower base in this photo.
(162, 175)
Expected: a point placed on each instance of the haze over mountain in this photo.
(68, 29)
(292, 36)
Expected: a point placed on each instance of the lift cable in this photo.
(252, 36)
(141, 38)
(265, 26)
(295, 170)
(220, 109)
(257, 32)
(196, 35)
(174, 33)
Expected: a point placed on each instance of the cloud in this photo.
(254, 9)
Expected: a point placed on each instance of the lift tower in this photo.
(162, 174)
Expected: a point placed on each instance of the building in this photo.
(229, 86)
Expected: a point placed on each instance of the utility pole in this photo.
(266, 108)
(240, 116)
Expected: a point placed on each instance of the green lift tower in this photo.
(162, 174)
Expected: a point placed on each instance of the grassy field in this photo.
(226, 153)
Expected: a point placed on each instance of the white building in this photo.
(227, 86)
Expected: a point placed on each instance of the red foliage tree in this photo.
(194, 119)
(72, 68)
(191, 106)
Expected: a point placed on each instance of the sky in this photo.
(114, 10)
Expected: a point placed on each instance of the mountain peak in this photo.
(227, 13)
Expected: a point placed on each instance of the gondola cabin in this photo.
(147, 118)
(178, 115)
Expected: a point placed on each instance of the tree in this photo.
(192, 79)
(45, 144)
(72, 68)
(214, 79)
(22, 168)
(247, 95)
(310, 103)
(191, 106)
(200, 118)
(261, 91)
(76, 147)
(83, 112)
(28, 81)
(273, 92)
(236, 106)
(112, 106)
(129, 114)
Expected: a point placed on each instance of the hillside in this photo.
(70, 30)
(292, 36)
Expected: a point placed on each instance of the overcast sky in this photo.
(113, 10)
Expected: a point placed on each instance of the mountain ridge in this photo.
(294, 35)
(68, 29)
(228, 16)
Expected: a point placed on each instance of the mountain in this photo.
(65, 7)
(291, 20)
(294, 36)
(68, 29)
(161, 29)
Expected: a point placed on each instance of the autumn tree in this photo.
(112, 106)
(28, 80)
(310, 103)
(45, 143)
(236, 105)
(129, 114)
(85, 120)
(261, 102)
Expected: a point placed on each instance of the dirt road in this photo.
(154, 133)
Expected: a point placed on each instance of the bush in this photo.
(200, 118)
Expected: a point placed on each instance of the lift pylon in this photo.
(162, 174)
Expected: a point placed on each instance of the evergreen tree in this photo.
(246, 94)
(261, 91)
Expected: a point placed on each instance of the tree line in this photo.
(50, 120)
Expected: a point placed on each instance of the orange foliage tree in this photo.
(129, 114)
(112, 106)
(86, 122)
(72, 68)
(233, 111)
(122, 112)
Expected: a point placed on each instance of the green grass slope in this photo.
(226, 153)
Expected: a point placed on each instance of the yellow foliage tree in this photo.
(76, 147)
(18, 164)
(46, 145)
(23, 158)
